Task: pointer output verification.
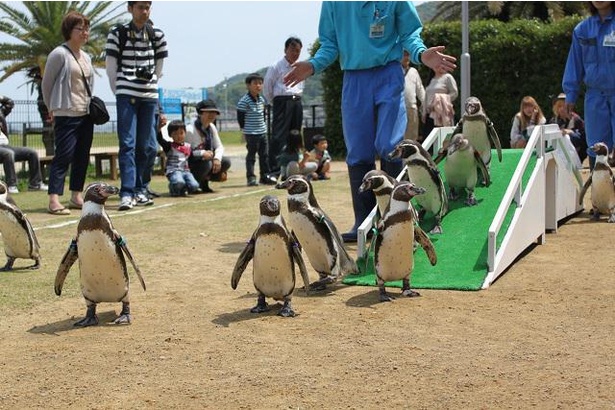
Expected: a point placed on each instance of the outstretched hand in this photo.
(300, 71)
(436, 60)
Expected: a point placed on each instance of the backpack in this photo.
(122, 33)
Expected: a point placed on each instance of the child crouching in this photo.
(181, 180)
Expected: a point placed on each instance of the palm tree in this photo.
(36, 27)
(509, 10)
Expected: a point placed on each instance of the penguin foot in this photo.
(260, 308)
(611, 219)
(124, 319)
(471, 201)
(385, 297)
(286, 311)
(595, 216)
(436, 230)
(9, 265)
(410, 293)
(322, 283)
(37, 264)
(87, 321)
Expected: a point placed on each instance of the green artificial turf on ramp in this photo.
(462, 247)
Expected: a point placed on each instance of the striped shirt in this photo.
(254, 109)
(137, 52)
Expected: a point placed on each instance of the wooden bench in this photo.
(112, 156)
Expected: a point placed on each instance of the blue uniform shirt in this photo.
(367, 34)
(591, 59)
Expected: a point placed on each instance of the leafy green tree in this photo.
(35, 27)
(510, 10)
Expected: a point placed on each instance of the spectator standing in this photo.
(529, 115)
(207, 162)
(251, 118)
(65, 94)
(591, 61)
(285, 99)
(414, 94)
(440, 94)
(10, 154)
(135, 54)
(368, 38)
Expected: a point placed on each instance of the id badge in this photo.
(376, 30)
(609, 41)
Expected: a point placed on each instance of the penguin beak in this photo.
(111, 190)
(396, 153)
(417, 190)
(365, 186)
(283, 184)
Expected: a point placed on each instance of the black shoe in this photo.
(349, 237)
(205, 188)
(152, 194)
(252, 182)
(268, 180)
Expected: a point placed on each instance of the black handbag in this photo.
(98, 109)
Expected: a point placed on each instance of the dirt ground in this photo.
(540, 337)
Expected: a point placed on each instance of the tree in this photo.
(509, 10)
(36, 27)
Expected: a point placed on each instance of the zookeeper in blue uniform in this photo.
(369, 39)
(591, 60)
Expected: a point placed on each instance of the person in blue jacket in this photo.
(369, 39)
(591, 60)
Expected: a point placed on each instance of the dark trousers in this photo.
(257, 144)
(287, 115)
(8, 156)
(201, 169)
(72, 148)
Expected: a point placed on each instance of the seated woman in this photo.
(207, 161)
(571, 125)
(524, 121)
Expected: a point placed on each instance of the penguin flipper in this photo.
(585, 188)
(122, 244)
(347, 264)
(483, 168)
(68, 260)
(493, 136)
(421, 237)
(298, 259)
(24, 222)
(242, 261)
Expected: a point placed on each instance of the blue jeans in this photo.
(73, 141)
(179, 180)
(136, 130)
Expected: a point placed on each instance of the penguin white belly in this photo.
(431, 200)
(102, 272)
(396, 253)
(15, 238)
(476, 133)
(272, 267)
(603, 194)
(313, 243)
(460, 170)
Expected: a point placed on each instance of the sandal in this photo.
(59, 211)
(74, 205)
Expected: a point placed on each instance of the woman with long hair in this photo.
(529, 115)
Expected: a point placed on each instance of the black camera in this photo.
(144, 73)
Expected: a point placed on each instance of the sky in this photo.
(209, 40)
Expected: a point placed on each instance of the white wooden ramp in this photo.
(550, 195)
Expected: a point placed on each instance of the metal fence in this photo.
(27, 129)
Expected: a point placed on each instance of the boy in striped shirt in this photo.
(251, 118)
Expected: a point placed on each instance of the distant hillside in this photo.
(427, 10)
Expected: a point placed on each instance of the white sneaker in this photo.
(143, 200)
(40, 187)
(13, 190)
(125, 203)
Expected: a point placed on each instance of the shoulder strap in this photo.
(87, 86)
(122, 34)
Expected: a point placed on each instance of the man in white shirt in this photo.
(285, 100)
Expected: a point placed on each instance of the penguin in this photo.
(460, 168)
(17, 234)
(602, 183)
(423, 172)
(275, 251)
(394, 250)
(381, 185)
(100, 250)
(316, 233)
(479, 130)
